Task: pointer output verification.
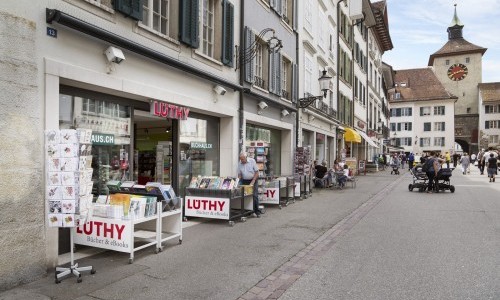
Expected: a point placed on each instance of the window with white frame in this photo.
(427, 126)
(208, 22)
(308, 70)
(439, 126)
(308, 20)
(406, 141)
(425, 142)
(286, 78)
(156, 16)
(439, 110)
(491, 124)
(425, 111)
(322, 32)
(439, 141)
(259, 64)
(393, 127)
(406, 126)
(491, 109)
(401, 112)
(493, 139)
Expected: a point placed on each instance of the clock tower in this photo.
(458, 65)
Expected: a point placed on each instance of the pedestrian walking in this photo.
(447, 159)
(465, 162)
(403, 160)
(492, 167)
(480, 161)
(248, 173)
(434, 164)
(411, 159)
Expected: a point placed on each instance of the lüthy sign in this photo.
(169, 111)
(207, 207)
(105, 233)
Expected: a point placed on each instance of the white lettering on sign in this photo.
(171, 111)
(200, 145)
(271, 196)
(102, 139)
(107, 234)
(207, 207)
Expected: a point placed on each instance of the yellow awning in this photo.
(351, 135)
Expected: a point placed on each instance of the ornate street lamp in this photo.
(324, 85)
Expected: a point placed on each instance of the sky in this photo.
(418, 28)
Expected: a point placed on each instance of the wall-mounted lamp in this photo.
(284, 113)
(262, 105)
(324, 85)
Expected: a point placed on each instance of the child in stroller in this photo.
(442, 180)
(419, 179)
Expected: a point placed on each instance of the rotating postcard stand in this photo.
(69, 186)
(73, 267)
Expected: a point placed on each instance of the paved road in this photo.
(378, 241)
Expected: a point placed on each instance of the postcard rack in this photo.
(231, 204)
(303, 188)
(133, 234)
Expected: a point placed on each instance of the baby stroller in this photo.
(395, 169)
(442, 180)
(419, 179)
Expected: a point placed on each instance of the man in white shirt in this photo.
(248, 173)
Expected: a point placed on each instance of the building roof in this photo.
(490, 92)
(418, 85)
(456, 47)
(382, 25)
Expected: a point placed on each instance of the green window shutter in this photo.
(247, 55)
(295, 83)
(227, 33)
(278, 7)
(272, 74)
(188, 23)
(279, 60)
(130, 8)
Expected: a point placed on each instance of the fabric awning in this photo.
(351, 135)
(367, 138)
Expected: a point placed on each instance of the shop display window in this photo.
(110, 124)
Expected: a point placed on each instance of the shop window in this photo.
(111, 131)
(199, 152)
(270, 142)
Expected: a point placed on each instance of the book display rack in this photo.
(218, 198)
(69, 186)
(133, 217)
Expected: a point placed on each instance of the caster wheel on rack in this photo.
(180, 242)
(185, 219)
(231, 223)
(157, 250)
(410, 187)
(243, 219)
(452, 189)
(92, 271)
(280, 206)
(130, 260)
(57, 281)
(79, 280)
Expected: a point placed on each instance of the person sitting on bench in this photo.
(343, 178)
(321, 175)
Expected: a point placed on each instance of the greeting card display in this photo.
(68, 189)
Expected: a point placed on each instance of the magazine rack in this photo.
(218, 204)
(279, 191)
(304, 186)
(133, 234)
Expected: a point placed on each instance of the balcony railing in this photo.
(260, 82)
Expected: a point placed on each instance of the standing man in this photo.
(480, 161)
(248, 173)
(447, 158)
(433, 170)
(411, 159)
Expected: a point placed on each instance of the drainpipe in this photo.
(297, 119)
(242, 74)
(338, 77)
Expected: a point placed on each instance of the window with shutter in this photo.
(188, 22)
(248, 55)
(130, 8)
(227, 33)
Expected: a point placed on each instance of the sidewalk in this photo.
(216, 261)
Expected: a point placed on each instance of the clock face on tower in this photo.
(457, 72)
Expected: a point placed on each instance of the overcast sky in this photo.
(418, 29)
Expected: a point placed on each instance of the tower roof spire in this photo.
(455, 21)
(455, 28)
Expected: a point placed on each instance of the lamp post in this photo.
(324, 83)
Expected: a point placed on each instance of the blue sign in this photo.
(52, 32)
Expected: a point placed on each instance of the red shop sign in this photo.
(168, 111)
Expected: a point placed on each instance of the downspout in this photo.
(297, 119)
(242, 74)
(338, 77)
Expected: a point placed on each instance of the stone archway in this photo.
(464, 144)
